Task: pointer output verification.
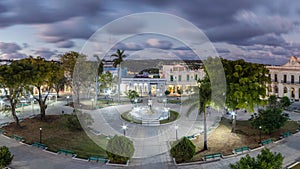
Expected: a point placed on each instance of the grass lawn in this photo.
(222, 140)
(56, 135)
(127, 117)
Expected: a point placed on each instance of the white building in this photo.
(285, 79)
(179, 77)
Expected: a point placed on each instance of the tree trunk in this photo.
(13, 113)
(119, 78)
(204, 130)
(233, 123)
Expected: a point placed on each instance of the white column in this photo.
(289, 92)
(296, 93)
(280, 90)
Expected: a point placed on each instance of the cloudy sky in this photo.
(263, 31)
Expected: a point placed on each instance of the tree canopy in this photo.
(246, 84)
(183, 150)
(119, 149)
(265, 160)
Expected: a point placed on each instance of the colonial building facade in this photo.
(285, 79)
(180, 77)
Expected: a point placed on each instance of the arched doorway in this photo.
(292, 93)
(285, 91)
(276, 90)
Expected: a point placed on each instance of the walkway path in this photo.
(30, 158)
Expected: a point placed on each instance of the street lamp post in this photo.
(124, 128)
(176, 128)
(92, 103)
(41, 134)
(260, 134)
(68, 99)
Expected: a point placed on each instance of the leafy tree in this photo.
(106, 80)
(272, 101)
(119, 56)
(40, 74)
(132, 94)
(119, 149)
(59, 80)
(13, 80)
(5, 157)
(265, 160)
(246, 85)
(285, 102)
(270, 119)
(183, 150)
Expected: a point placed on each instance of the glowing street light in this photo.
(233, 121)
(68, 99)
(41, 134)
(124, 128)
(260, 134)
(176, 128)
(1, 102)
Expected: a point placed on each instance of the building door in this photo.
(153, 89)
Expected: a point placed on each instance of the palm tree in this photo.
(119, 55)
(200, 100)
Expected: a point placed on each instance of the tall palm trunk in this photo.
(205, 147)
(119, 77)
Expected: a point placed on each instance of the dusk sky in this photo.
(262, 31)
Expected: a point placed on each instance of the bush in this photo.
(5, 157)
(265, 160)
(183, 150)
(119, 149)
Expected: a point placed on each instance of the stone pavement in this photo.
(31, 158)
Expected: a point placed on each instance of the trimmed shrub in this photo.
(119, 149)
(5, 157)
(183, 150)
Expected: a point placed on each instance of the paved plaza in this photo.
(153, 142)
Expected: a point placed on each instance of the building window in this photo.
(275, 78)
(292, 78)
(171, 78)
(179, 78)
(187, 77)
(196, 77)
(284, 78)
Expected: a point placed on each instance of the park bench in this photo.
(4, 124)
(190, 137)
(66, 152)
(19, 138)
(39, 145)
(2, 131)
(212, 156)
(265, 142)
(285, 134)
(241, 149)
(97, 159)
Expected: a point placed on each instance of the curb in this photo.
(118, 165)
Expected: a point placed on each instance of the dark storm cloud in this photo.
(249, 25)
(10, 51)
(129, 46)
(37, 12)
(268, 39)
(45, 53)
(74, 28)
(65, 44)
(9, 47)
